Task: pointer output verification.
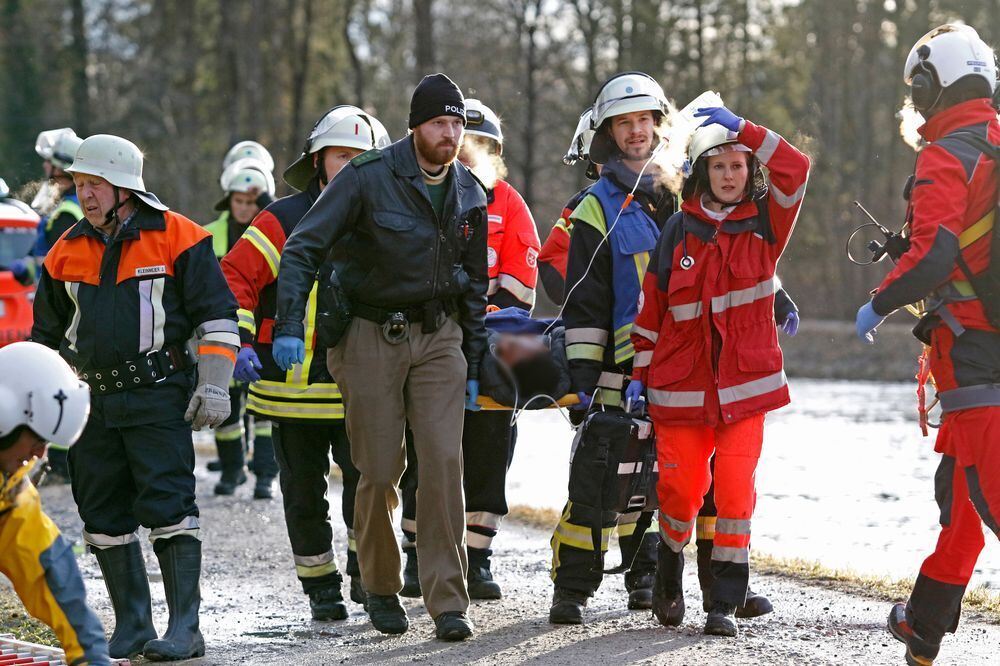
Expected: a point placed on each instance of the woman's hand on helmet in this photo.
(720, 115)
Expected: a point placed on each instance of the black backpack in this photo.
(987, 283)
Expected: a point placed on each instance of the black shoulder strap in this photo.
(764, 220)
(979, 143)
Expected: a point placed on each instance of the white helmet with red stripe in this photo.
(346, 126)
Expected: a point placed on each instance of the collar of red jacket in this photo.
(744, 210)
(967, 113)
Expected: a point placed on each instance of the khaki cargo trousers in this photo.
(420, 382)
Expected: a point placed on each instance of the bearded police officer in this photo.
(405, 230)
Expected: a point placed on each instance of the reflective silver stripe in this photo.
(628, 520)
(593, 336)
(495, 219)
(494, 286)
(633, 467)
(674, 545)
(477, 540)
(970, 397)
(483, 519)
(225, 331)
(686, 311)
(732, 526)
(675, 398)
(743, 296)
(612, 381)
(313, 560)
(222, 431)
(521, 292)
(102, 541)
(352, 544)
(752, 389)
(72, 288)
(681, 526)
(189, 526)
(729, 554)
(785, 200)
(767, 148)
(151, 315)
(642, 359)
(652, 336)
(408, 525)
(223, 338)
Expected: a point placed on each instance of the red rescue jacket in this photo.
(512, 252)
(705, 338)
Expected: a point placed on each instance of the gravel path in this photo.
(254, 612)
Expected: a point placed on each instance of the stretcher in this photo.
(13, 651)
(486, 402)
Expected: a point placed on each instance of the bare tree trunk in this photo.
(700, 37)
(532, 101)
(424, 25)
(352, 53)
(301, 37)
(78, 65)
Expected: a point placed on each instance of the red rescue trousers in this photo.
(684, 454)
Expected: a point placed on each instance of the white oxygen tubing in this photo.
(604, 239)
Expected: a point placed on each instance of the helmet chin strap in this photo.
(112, 215)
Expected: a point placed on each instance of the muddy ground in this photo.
(255, 613)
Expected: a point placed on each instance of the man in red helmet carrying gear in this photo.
(247, 186)
(121, 294)
(488, 437)
(42, 400)
(303, 404)
(952, 237)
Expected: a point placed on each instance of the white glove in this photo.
(209, 406)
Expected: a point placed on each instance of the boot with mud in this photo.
(480, 579)
(358, 594)
(180, 564)
(327, 603)
(919, 650)
(721, 620)
(411, 576)
(386, 613)
(668, 588)
(231, 455)
(567, 606)
(128, 586)
(639, 586)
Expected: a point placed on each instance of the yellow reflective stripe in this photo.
(641, 263)
(977, 230)
(299, 374)
(964, 288)
(585, 352)
(246, 320)
(267, 387)
(609, 398)
(706, 528)
(625, 353)
(264, 246)
(307, 410)
(316, 571)
(580, 537)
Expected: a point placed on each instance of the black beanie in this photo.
(435, 95)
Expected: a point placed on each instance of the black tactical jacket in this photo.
(375, 222)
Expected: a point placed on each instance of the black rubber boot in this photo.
(128, 586)
(386, 614)
(567, 606)
(357, 590)
(919, 650)
(481, 583)
(214, 465)
(411, 575)
(755, 606)
(721, 620)
(640, 590)
(452, 626)
(668, 588)
(231, 455)
(180, 564)
(705, 577)
(327, 603)
(264, 467)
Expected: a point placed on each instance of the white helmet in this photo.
(116, 160)
(245, 175)
(482, 121)
(943, 56)
(713, 140)
(58, 146)
(579, 148)
(38, 389)
(346, 126)
(245, 149)
(623, 93)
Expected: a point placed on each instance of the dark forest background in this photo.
(185, 79)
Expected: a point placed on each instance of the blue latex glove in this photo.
(634, 391)
(791, 325)
(720, 115)
(19, 267)
(471, 395)
(247, 365)
(868, 320)
(584, 403)
(288, 351)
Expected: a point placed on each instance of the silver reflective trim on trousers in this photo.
(732, 526)
(728, 554)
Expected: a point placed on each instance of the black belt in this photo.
(151, 368)
(429, 314)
